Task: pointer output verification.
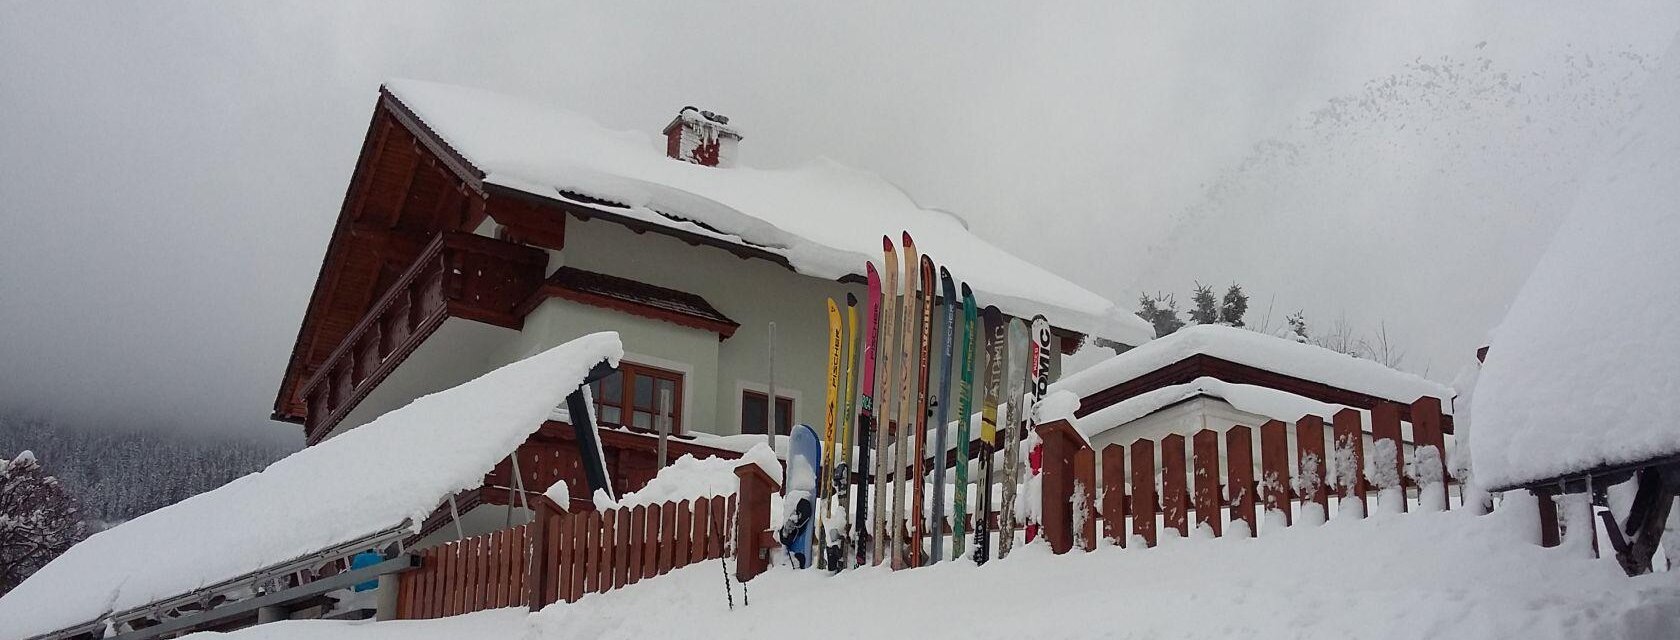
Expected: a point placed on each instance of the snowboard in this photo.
(800, 494)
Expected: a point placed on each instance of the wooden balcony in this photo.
(458, 275)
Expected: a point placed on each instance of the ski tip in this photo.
(851, 299)
(870, 272)
(886, 243)
(991, 312)
(944, 274)
(833, 306)
(967, 292)
(927, 263)
(907, 241)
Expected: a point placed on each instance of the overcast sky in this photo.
(169, 172)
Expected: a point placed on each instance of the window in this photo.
(754, 407)
(630, 396)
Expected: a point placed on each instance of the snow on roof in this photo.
(370, 479)
(1551, 403)
(1260, 401)
(827, 219)
(1256, 349)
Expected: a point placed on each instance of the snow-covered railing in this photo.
(1145, 491)
(563, 555)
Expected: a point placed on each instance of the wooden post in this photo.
(753, 537)
(1085, 476)
(1175, 495)
(1385, 425)
(1239, 460)
(1549, 533)
(1309, 451)
(1426, 431)
(1274, 468)
(1060, 441)
(1205, 448)
(1350, 437)
(1114, 494)
(1143, 490)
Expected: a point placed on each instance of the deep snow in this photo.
(1440, 575)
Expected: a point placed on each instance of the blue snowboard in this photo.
(799, 494)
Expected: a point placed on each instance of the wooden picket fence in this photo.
(1147, 486)
(562, 556)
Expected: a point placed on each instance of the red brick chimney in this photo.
(701, 137)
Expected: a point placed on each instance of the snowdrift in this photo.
(1582, 373)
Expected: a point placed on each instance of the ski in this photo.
(965, 408)
(922, 414)
(881, 536)
(1015, 380)
(866, 416)
(1039, 382)
(831, 394)
(906, 406)
(840, 475)
(993, 333)
(942, 407)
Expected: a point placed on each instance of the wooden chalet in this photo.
(454, 254)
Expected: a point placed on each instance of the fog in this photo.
(169, 173)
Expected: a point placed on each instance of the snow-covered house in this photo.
(478, 229)
(1216, 377)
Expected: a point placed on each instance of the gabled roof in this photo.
(823, 219)
(374, 478)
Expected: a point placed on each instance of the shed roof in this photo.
(393, 470)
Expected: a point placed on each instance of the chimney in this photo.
(701, 137)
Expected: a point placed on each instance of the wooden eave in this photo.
(638, 299)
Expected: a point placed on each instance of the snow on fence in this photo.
(1134, 502)
(562, 556)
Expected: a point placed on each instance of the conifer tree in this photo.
(1234, 305)
(1206, 310)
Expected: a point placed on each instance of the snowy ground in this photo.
(1444, 575)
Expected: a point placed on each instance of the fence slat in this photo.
(714, 542)
(1239, 459)
(1205, 449)
(422, 579)
(1274, 468)
(1114, 494)
(580, 556)
(1309, 454)
(650, 543)
(1143, 490)
(636, 538)
(592, 553)
(496, 576)
(697, 542)
(1426, 431)
(1350, 441)
(684, 533)
(1175, 495)
(476, 578)
(621, 548)
(1085, 476)
(433, 591)
(1385, 425)
(667, 536)
(456, 592)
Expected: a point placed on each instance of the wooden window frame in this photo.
(786, 415)
(627, 374)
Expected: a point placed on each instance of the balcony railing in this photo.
(458, 275)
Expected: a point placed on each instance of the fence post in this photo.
(1204, 446)
(1143, 490)
(1114, 493)
(753, 538)
(1060, 441)
(1350, 442)
(1239, 457)
(1426, 432)
(539, 575)
(1385, 425)
(1274, 469)
(1309, 450)
(1175, 496)
(1085, 476)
